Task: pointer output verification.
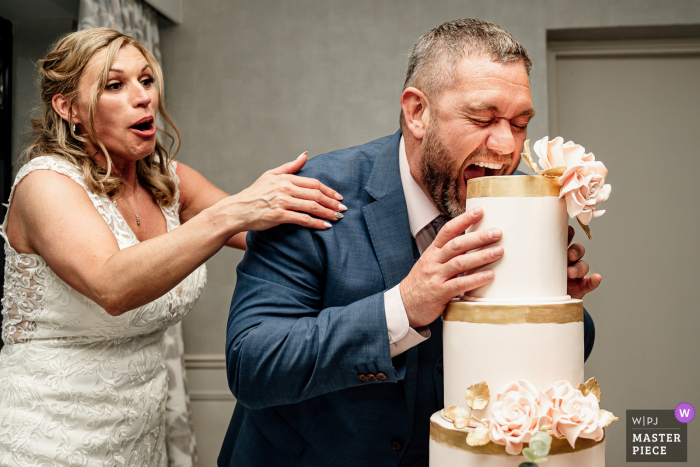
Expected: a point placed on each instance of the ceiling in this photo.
(28, 10)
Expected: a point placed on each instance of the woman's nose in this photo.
(142, 97)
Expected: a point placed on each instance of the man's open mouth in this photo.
(482, 169)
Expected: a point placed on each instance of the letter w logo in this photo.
(685, 413)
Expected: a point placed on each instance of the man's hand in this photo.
(578, 284)
(434, 280)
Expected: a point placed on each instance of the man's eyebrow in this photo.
(493, 108)
(483, 107)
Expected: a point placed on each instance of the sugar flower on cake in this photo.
(575, 415)
(520, 411)
(581, 177)
(583, 180)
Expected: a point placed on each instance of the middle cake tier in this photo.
(500, 343)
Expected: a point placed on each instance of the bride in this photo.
(98, 264)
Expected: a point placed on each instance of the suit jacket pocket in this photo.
(278, 432)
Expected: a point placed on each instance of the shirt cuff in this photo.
(401, 336)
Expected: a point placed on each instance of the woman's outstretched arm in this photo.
(55, 218)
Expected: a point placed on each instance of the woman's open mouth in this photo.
(144, 127)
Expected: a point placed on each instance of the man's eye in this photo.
(481, 122)
(519, 128)
(114, 86)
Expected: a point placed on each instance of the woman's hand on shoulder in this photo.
(279, 197)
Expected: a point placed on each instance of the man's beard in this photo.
(440, 174)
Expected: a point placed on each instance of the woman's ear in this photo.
(416, 111)
(63, 107)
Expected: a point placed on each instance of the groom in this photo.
(334, 346)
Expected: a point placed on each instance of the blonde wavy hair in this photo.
(59, 73)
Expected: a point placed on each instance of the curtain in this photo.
(140, 21)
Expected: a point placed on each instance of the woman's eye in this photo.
(114, 86)
(147, 82)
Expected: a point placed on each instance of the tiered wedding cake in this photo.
(513, 349)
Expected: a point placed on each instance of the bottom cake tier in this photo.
(449, 448)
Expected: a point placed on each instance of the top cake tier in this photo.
(534, 222)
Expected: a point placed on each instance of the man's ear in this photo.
(63, 107)
(416, 111)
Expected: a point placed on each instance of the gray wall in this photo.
(254, 83)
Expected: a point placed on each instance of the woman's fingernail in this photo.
(302, 154)
(497, 252)
(487, 275)
(495, 233)
(327, 225)
(476, 212)
(338, 196)
(342, 207)
(339, 215)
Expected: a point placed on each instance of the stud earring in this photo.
(75, 129)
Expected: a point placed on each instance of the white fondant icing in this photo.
(533, 266)
(442, 455)
(499, 353)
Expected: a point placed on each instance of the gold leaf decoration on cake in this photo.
(478, 437)
(459, 416)
(606, 418)
(585, 228)
(527, 157)
(591, 386)
(555, 172)
(478, 395)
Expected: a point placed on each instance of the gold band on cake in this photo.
(491, 313)
(530, 186)
(458, 439)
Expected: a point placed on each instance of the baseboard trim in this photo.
(205, 362)
(211, 396)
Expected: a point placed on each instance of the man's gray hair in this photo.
(431, 65)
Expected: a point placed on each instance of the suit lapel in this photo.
(387, 217)
(387, 223)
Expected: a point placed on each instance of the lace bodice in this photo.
(78, 386)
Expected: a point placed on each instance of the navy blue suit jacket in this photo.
(307, 318)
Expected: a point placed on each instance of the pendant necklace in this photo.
(136, 214)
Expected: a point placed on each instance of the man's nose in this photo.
(501, 138)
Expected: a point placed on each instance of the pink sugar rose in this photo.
(554, 153)
(573, 414)
(520, 411)
(583, 182)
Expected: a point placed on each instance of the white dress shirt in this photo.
(421, 211)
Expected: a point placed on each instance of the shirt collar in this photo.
(421, 210)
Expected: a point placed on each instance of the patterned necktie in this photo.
(438, 223)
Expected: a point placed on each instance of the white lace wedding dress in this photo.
(78, 386)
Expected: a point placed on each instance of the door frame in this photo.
(617, 48)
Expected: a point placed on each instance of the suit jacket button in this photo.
(381, 377)
(372, 378)
(362, 378)
(396, 446)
